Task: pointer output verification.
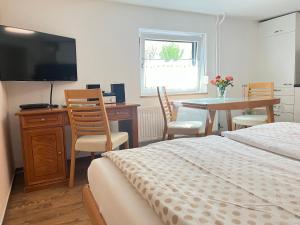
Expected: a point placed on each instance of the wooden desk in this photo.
(43, 141)
(228, 104)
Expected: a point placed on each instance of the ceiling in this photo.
(250, 9)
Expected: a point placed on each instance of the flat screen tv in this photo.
(27, 55)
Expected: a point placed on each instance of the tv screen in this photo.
(34, 56)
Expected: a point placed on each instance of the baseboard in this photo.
(7, 199)
(144, 143)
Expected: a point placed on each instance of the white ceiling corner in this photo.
(249, 9)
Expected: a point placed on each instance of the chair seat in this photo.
(97, 143)
(250, 120)
(185, 127)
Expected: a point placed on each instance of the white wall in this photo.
(6, 159)
(6, 165)
(239, 51)
(107, 45)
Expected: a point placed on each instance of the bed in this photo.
(249, 176)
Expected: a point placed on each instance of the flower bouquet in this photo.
(222, 84)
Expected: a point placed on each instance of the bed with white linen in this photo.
(250, 176)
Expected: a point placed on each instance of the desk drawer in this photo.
(42, 120)
(288, 100)
(119, 114)
(284, 108)
(284, 91)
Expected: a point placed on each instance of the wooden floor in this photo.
(51, 206)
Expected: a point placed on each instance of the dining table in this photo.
(227, 104)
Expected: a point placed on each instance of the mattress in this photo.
(213, 180)
(192, 181)
(117, 199)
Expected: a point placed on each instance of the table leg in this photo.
(135, 129)
(210, 122)
(229, 120)
(270, 113)
(131, 127)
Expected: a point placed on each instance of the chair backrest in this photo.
(165, 104)
(87, 114)
(260, 90)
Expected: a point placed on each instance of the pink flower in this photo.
(229, 78)
(218, 77)
(213, 82)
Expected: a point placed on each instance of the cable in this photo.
(220, 21)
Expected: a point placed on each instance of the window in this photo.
(176, 60)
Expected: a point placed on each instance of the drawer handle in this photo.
(277, 31)
(287, 84)
(43, 119)
(59, 153)
(276, 114)
(277, 90)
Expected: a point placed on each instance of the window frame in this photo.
(163, 35)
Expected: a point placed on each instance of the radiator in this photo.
(151, 123)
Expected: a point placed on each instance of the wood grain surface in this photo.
(57, 205)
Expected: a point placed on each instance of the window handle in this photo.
(142, 63)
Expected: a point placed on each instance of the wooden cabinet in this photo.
(43, 146)
(43, 150)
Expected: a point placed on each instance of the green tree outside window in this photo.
(171, 52)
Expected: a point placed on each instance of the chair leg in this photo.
(170, 136)
(164, 137)
(92, 155)
(126, 145)
(164, 134)
(72, 166)
(234, 126)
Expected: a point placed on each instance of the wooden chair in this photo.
(171, 126)
(90, 126)
(255, 90)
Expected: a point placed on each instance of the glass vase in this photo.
(222, 91)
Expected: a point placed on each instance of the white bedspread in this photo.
(281, 138)
(214, 180)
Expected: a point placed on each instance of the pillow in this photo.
(282, 138)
